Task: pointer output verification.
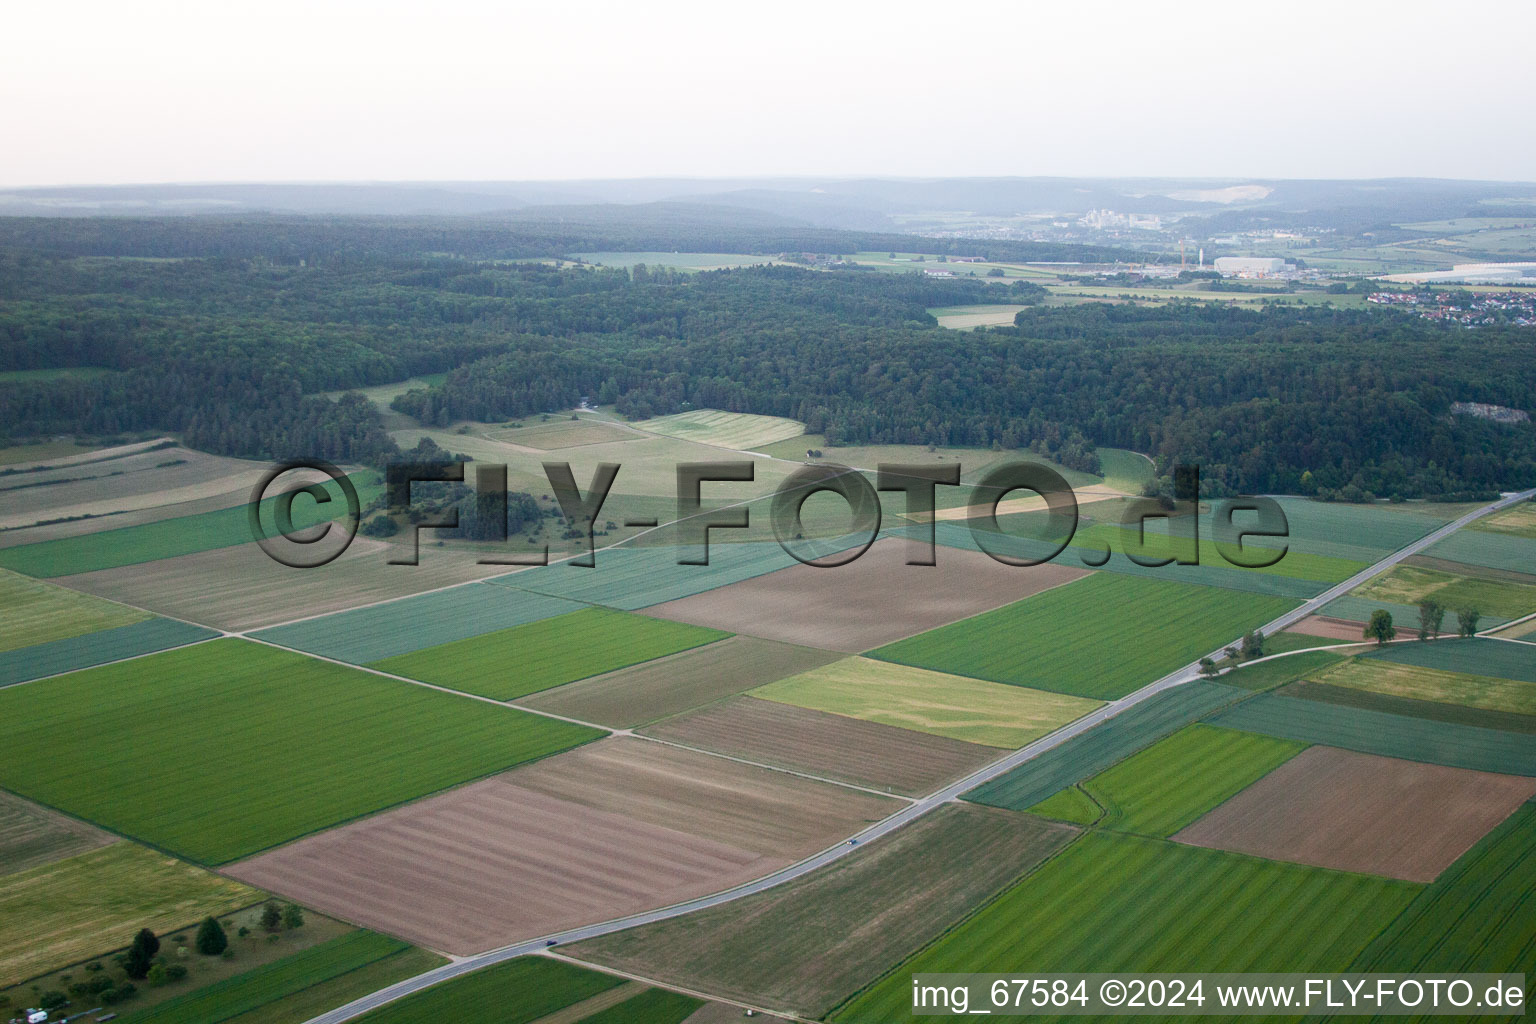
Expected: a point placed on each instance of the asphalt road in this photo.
(902, 817)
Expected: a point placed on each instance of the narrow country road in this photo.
(902, 817)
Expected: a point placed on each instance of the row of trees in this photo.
(1431, 619)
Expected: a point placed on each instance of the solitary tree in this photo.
(1207, 667)
(1253, 645)
(1466, 621)
(211, 940)
(1380, 627)
(1431, 615)
(271, 917)
(141, 955)
(293, 916)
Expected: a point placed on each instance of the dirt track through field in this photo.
(612, 828)
(1361, 812)
(872, 601)
(867, 754)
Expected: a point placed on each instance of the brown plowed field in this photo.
(831, 746)
(669, 686)
(872, 601)
(1360, 812)
(1328, 628)
(614, 828)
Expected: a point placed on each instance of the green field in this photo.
(1433, 710)
(1103, 745)
(238, 746)
(36, 613)
(1115, 902)
(376, 632)
(271, 982)
(1410, 584)
(63, 912)
(1176, 780)
(168, 538)
(17, 453)
(1070, 805)
(97, 648)
(934, 702)
(550, 652)
(1519, 520)
(342, 989)
(1102, 636)
(1512, 551)
(1475, 656)
(1428, 684)
(1374, 732)
(1266, 675)
(1480, 915)
(653, 1006)
(739, 430)
(514, 992)
(1285, 641)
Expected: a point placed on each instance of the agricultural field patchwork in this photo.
(1432, 710)
(1475, 656)
(874, 600)
(515, 992)
(1360, 812)
(554, 434)
(610, 829)
(31, 836)
(956, 707)
(1266, 675)
(1408, 585)
(1390, 735)
(680, 682)
(367, 743)
(547, 653)
(738, 430)
(1512, 551)
(836, 747)
(37, 612)
(1128, 903)
(1165, 787)
(98, 648)
(59, 913)
(1519, 520)
(1105, 744)
(1101, 637)
(805, 945)
(1398, 679)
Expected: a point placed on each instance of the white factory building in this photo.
(1248, 266)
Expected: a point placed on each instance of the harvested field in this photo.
(63, 912)
(37, 612)
(958, 707)
(514, 992)
(806, 945)
(1430, 709)
(549, 652)
(1102, 637)
(353, 743)
(240, 587)
(829, 746)
(1127, 903)
(872, 601)
(557, 434)
(1326, 628)
(739, 430)
(363, 635)
(1405, 680)
(615, 828)
(1105, 744)
(31, 836)
(1476, 656)
(1374, 732)
(671, 685)
(1359, 812)
(98, 648)
(1161, 789)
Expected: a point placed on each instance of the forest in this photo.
(232, 340)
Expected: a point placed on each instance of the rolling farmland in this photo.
(549, 652)
(367, 742)
(62, 912)
(809, 943)
(1161, 789)
(1101, 637)
(957, 707)
(1127, 903)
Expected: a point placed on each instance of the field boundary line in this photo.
(695, 993)
(770, 767)
(116, 661)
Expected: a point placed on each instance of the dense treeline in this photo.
(235, 353)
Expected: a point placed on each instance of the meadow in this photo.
(1102, 637)
(1127, 903)
(1161, 789)
(61, 913)
(514, 992)
(946, 705)
(1104, 745)
(1375, 732)
(964, 318)
(539, 655)
(1519, 520)
(367, 743)
(1408, 585)
(738, 430)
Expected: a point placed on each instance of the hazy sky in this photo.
(127, 91)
